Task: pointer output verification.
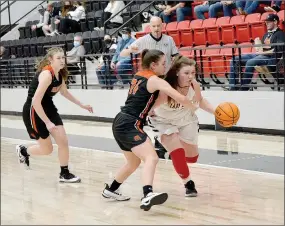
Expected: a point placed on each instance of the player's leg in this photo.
(173, 145)
(43, 147)
(145, 151)
(132, 163)
(61, 140)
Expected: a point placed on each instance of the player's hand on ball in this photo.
(88, 108)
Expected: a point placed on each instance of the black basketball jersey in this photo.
(140, 101)
(53, 88)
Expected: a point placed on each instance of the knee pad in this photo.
(192, 159)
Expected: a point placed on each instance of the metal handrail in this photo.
(10, 27)
(126, 6)
(123, 25)
(3, 3)
(9, 4)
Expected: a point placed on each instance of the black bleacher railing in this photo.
(213, 69)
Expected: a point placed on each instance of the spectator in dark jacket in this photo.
(264, 57)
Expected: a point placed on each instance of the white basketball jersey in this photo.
(176, 113)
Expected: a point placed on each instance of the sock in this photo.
(192, 159)
(115, 185)
(64, 169)
(147, 189)
(180, 165)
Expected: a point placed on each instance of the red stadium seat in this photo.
(142, 33)
(281, 15)
(228, 32)
(199, 33)
(186, 37)
(198, 38)
(213, 33)
(172, 31)
(258, 29)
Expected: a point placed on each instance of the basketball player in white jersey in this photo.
(178, 127)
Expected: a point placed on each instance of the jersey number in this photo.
(134, 86)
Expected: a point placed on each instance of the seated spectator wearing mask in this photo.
(103, 69)
(123, 65)
(70, 24)
(73, 57)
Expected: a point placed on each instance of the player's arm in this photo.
(154, 83)
(161, 99)
(203, 103)
(64, 92)
(45, 79)
(134, 48)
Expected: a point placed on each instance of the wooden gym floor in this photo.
(239, 178)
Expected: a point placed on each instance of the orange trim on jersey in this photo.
(137, 126)
(34, 120)
(49, 68)
(146, 107)
(146, 74)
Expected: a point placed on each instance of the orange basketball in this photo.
(227, 114)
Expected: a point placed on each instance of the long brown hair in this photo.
(150, 56)
(65, 9)
(171, 76)
(45, 62)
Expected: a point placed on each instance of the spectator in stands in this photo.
(110, 11)
(70, 24)
(214, 7)
(46, 20)
(2, 50)
(250, 7)
(123, 64)
(264, 57)
(103, 69)
(73, 57)
(182, 9)
(154, 40)
(164, 7)
(276, 7)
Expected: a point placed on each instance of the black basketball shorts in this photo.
(128, 132)
(35, 126)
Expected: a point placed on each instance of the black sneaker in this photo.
(68, 178)
(23, 157)
(190, 189)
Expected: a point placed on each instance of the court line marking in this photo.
(161, 160)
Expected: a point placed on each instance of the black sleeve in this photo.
(279, 38)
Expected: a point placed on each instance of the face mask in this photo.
(125, 37)
(76, 44)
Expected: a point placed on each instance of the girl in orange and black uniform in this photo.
(40, 114)
(128, 128)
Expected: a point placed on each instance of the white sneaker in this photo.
(108, 194)
(21, 158)
(153, 199)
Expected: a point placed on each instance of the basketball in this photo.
(227, 114)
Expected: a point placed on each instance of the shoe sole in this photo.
(109, 197)
(191, 195)
(157, 200)
(70, 182)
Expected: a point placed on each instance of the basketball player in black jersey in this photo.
(128, 128)
(40, 114)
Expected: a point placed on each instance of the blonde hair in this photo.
(45, 62)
